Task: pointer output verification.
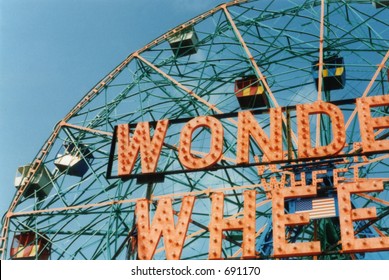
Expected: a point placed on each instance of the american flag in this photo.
(317, 208)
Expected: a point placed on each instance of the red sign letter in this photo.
(128, 148)
(248, 126)
(163, 224)
(218, 224)
(368, 124)
(216, 149)
(280, 220)
(347, 215)
(305, 149)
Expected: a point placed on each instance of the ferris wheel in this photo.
(76, 199)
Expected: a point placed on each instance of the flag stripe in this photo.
(318, 208)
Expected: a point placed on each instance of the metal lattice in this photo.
(89, 216)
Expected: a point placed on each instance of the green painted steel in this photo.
(92, 217)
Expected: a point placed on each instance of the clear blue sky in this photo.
(53, 51)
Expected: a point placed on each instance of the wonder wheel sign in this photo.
(257, 130)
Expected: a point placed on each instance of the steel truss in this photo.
(92, 217)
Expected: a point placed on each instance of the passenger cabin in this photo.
(250, 92)
(184, 42)
(75, 160)
(380, 3)
(334, 73)
(26, 246)
(41, 184)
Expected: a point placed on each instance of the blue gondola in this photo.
(334, 73)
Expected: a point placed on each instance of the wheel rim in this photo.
(92, 217)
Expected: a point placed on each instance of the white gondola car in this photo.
(184, 43)
(41, 184)
(72, 162)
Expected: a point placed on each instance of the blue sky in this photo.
(53, 51)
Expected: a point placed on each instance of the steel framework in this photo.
(92, 216)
